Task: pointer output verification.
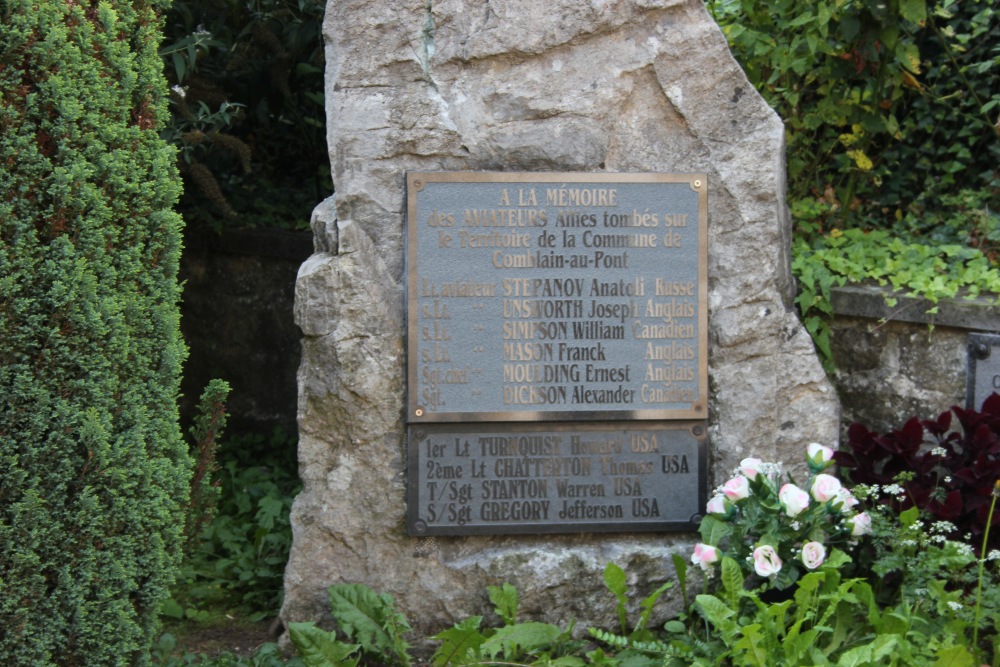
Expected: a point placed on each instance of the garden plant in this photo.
(892, 117)
(810, 573)
(95, 473)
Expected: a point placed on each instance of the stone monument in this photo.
(566, 87)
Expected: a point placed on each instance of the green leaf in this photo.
(869, 654)
(614, 579)
(568, 661)
(504, 600)
(955, 656)
(170, 608)
(713, 530)
(732, 581)
(511, 641)
(647, 605)
(913, 10)
(675, 627)
(461, 644)
(319, 648)
(680, 567)
(753, 646)
(371, 620)
(718, 614)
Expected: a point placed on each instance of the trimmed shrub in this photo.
(93, 470)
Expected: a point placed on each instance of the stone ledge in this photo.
(278, 243)
(977, 314)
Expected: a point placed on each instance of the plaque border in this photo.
(415, 181)
(556, 527)
(979, 347)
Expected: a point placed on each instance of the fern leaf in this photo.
(460, 645)
(319, 648)
(732, 581)
(371, 620)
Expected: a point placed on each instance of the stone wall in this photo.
(520, 85)
(237, 320)
(898, 362)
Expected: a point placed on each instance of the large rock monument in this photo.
(520, 86)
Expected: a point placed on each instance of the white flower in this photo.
(793, 499)
(818, 452)
(181, 92)
(704, 555)
(939, 451)
(825, 487)
(750, 467)
(893, 490)
(717, 505)
(736, 489)
(862, 524)
(772, 470)
(955, 606)
(813, 555)
(943, 527)
(766, 561)
(846, 499)
(993, 555)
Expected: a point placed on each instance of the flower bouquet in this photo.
(775, 528)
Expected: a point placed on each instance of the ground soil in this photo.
(240, 637)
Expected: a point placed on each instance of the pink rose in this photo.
(825, 487)
(717, 505)
(793, 499)
(750, 467)
(862, 524)
(766, 561)
(704, 555)
(736, 489)
(813, 555)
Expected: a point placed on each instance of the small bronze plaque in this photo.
(555, 478)
(556, 296)
(982, 368)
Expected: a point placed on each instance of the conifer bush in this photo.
(93, 470)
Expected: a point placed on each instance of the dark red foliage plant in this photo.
(946, 470)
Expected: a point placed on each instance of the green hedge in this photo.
(93, 469)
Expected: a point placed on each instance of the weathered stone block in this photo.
(520, 85)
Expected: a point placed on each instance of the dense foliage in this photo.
(237, 560)
(247, 108)
(948, 473)
(892, 117)
(93, 470)
(889, 106)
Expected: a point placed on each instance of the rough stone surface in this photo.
(521, 85)
(892, 364)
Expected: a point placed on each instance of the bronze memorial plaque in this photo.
(574, 302)
(547, 478)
